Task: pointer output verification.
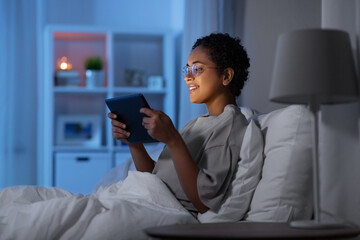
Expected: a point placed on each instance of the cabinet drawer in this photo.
(80, 172)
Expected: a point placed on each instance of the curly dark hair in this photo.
(225, 52)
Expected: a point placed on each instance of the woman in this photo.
(198, 163)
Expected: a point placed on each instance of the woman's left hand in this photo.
(158, 125)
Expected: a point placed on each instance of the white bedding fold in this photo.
(118, 211)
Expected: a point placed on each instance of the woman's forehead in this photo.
(199, 55)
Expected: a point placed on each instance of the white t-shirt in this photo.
(214, 143)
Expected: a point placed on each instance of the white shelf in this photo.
(130, 90)
(143, 90)
(80, 149)
(151, 52)
(80, 90)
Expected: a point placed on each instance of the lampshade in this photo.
(314, 64)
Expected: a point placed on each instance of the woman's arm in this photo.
(142, 160)
(187, 171)
(160, 127)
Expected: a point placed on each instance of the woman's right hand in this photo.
(118, 129)
(141, 158)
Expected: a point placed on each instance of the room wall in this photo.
(339, 129)
(133, 14)
(339, 145)
(263, 21)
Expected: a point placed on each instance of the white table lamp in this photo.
(314, 66)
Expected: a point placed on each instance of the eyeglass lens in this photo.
(194, 69)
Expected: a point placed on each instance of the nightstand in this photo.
(247, 230)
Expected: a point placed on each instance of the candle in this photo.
(64, 64)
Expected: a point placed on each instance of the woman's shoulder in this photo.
(230, 128)
(232, 112)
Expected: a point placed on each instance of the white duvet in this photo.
(119, 211)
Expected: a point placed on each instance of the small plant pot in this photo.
(94, 78)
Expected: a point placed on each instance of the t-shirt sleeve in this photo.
(216, 174)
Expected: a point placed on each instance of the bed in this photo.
(272, 183)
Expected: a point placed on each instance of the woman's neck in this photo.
(217, 107)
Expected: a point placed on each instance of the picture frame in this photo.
(78, 130)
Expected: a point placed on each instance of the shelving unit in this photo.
(78, 166)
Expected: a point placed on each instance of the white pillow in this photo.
(241, 190)
(284, 192)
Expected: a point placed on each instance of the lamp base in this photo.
(312, 224)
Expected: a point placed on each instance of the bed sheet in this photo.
(118, 211)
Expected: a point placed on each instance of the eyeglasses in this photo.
(195, 69)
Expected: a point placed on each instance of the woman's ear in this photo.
(228, 76)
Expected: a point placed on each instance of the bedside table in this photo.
(246, 230)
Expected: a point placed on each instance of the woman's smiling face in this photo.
(206, 85)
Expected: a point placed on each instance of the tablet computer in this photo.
(127, 109)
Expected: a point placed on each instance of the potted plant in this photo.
(94, 73)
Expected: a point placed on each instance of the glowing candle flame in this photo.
(64, 64)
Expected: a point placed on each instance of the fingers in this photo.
(153, 119)
(118, 128)
(152, 114)
(120, 133)
(112, 115)
(157, 123)
(115, 122)
(148, 111)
